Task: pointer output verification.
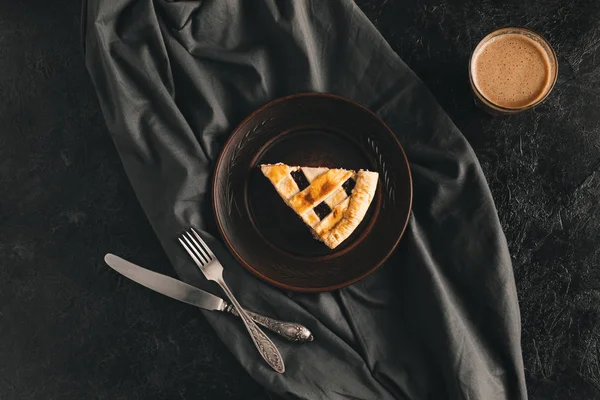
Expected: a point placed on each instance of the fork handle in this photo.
(265, 346)
(292, 331)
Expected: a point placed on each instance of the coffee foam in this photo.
(512, 70)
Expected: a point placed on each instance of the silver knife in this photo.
(192, 295)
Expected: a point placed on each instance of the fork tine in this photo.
(199, 248)
(185, 246)
(203, 243)
(193, 246)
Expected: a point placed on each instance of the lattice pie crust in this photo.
(332, 202)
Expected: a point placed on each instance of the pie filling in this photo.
(348, 186)
(322, 210)
(300, 179)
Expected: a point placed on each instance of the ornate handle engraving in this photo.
(265, 346)
(292, 331)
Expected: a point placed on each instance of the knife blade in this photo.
(189, 294)
(164, 284)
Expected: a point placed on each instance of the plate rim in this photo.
(240, 259)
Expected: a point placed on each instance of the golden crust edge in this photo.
(360, 201)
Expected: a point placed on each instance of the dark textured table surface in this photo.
(70, 328)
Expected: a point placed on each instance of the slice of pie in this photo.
(332, 202)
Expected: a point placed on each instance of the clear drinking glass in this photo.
(500, 72)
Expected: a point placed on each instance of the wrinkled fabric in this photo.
(440, 319)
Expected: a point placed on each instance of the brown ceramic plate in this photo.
(310, 129)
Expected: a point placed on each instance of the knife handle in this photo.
(292, 331)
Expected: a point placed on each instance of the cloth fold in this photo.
(440, 319)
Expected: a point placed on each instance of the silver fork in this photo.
(213, 271)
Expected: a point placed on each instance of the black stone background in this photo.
(71, 329)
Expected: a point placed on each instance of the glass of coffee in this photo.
(512, 70)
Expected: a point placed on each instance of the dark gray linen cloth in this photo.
(440, 319)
